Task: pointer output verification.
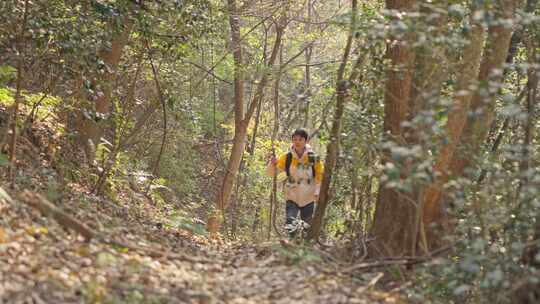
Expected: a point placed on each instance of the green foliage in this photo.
(53, 190)
(156, 188)
(4, 160)
(44, 104)
(298, 254)
(6, 96)
(7, 74)
(182, 220)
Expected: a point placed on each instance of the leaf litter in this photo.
(41, 262)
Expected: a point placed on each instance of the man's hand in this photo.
(272, 159)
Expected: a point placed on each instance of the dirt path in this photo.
(274, 274)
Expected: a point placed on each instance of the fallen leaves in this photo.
(3, 236)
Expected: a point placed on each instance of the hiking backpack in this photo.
(312, 158)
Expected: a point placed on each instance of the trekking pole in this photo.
(274, 211)
(272, 194)
(273, 198)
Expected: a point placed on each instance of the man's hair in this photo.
(300, 132)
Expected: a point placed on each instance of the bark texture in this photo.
(91, 128)
(465, 132)
(394, 215)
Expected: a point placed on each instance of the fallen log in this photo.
(40, 203)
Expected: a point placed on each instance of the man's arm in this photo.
(273, 163)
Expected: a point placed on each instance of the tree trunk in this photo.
(429, 74)
(307, 73)
(333, 145)
(273, 195)
(393, 222)
(512, 52)
(483, 103)
(239, 130)
(527, 291)
(21, 46)
(91, 130)
(430, 65)
(241, 120)
(466, 132)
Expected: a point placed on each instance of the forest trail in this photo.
(42, 262)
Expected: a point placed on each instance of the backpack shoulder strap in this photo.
(312, 159)
(288, 161)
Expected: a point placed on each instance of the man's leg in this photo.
(291, 210)
(306, 213)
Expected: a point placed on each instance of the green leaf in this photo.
(7, 73)
(4, 160)
(6, 96)
(105, 259)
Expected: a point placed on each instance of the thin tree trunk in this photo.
(368, 205)
(120, 143)
(90, 130)
(155, 171)
(512, 51)
(236, 202)
(333, 146)
(523, 194)
(354, 189)
(255, 129)
(430, 64)
(430, 71)
(241, 120)
(239, 130)
(214, 97)
(275, 130)
(307, 73)
(357, 203)
(21, 42)
(495, 147)
(241, 183)
(256, 221)
(529, 292)
(482, 107)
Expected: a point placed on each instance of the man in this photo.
(304, 175)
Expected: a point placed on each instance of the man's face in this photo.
(299, 142)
